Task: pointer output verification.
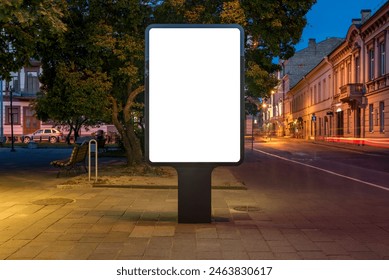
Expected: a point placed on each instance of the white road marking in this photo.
(324, 170)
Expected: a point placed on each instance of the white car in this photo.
(48, 134)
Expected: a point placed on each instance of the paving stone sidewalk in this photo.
(40, 221)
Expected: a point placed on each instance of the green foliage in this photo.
(74, 94)
(251, 108)
(94, 71)
(232, 12)
(22, 24)
(272, 28)
(96, 67)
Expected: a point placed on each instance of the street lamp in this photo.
(283, 108)
(12, 120)
(266, 108)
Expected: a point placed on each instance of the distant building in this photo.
(340, 90)
(283, 104)
(25, 85)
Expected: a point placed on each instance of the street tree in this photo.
(94, 71)
(272, 28)
(106, 40)
(76, 98)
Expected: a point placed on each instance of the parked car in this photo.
(49, 134)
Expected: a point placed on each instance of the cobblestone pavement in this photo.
(40, 221)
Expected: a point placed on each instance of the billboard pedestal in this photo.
(194, 194)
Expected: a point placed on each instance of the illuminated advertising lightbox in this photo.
(194, 94)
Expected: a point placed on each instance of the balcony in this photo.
(351, 92)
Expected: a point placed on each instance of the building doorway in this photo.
(30, 122)
(358, 122)
(339, 123)
(326, 126)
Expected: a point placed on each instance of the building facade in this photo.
(346, 93)
(375, 87)
(310, 99)
(21, 118)
(290, 113)
(24, 86)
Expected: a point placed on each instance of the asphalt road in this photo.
(320, 187)
(356, 164)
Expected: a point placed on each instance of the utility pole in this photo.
(12, 120)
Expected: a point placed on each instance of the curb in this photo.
(150, 187)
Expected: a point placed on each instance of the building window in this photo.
(325, 93)
(348, 73)
(15, 114)
(371, 117)
(319, 92)
(382, 116)
(32, 82)
(314, 95)
(382, 59)
(342, 76)
(376, 117)
(14, 84)
(371, 64)
(357, 69)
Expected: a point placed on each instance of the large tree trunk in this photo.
(132, 146)
(125, 128)
(69, 134)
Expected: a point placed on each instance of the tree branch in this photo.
(130, 101)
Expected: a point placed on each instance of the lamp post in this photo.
(283, 109)
(264, 117)
(12, 120)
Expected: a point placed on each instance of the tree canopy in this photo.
(97, 62)
(272, 28)
(22, 24)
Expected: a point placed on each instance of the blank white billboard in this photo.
(194, 99)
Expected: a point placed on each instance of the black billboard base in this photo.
(194, 194)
